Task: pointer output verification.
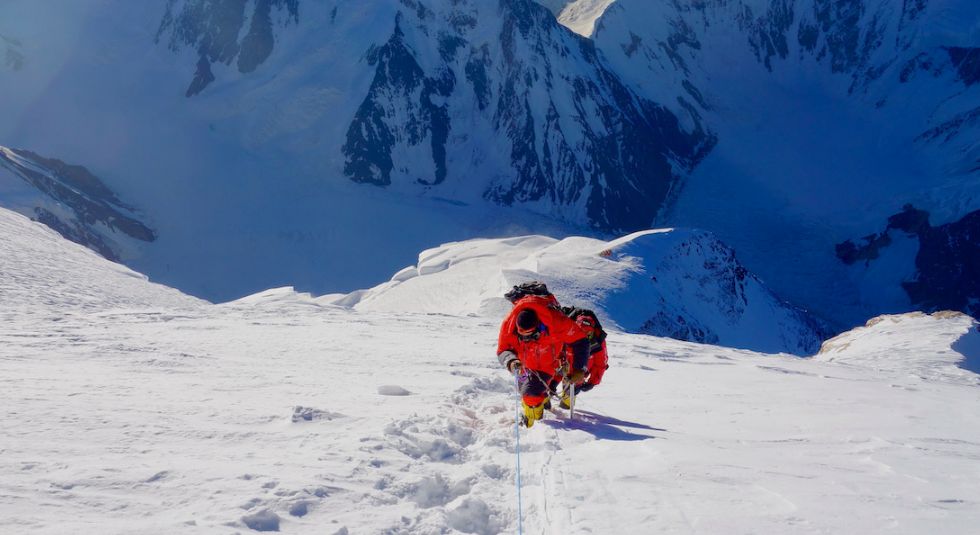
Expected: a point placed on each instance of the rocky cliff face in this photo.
(69, 199)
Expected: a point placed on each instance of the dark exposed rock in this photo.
(768, 34)
(839, 20)
(89, 201)
(967, 63)
(948, 267)
(202, 77)
(850, 253)
(399, 84)
(952, 127)
(626, 167)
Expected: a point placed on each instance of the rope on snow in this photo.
(517, 436)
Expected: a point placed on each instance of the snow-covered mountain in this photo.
(454, 86)
(272, 143)
(830, 116)
(194, 110)
(673, 283)
(130, 407)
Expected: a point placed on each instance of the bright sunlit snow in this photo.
(129, 408)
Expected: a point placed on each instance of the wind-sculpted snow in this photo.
(676, 283)
(147, 412)
(943, 346)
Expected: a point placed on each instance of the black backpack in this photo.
(528, 288)
(597, 335)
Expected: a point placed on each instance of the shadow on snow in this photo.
(969, 346)
(603, 427)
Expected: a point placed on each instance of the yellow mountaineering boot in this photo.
(566, 399)
(532, 414)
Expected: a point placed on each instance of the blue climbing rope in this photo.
(517, 436)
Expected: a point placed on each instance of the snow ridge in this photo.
(676, 283)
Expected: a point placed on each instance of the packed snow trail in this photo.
(131, 409)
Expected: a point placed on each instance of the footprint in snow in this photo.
(309, 414)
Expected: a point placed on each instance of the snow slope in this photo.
(678, 283)
(43, 272)
(129, 408)
(580, 16)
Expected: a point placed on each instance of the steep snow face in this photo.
(830, 117)
(70, 200)
(676, 283)
(580, 16)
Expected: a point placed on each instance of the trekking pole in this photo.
(571, 401)
(517, 437)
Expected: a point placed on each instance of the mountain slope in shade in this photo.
(676, 283)
(72, 201)
(238, 121)
(830, 117)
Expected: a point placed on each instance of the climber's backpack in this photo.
(529, 288)
(586, 317)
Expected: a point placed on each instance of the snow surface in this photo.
(129, 408)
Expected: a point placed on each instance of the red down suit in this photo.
(556, 333)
